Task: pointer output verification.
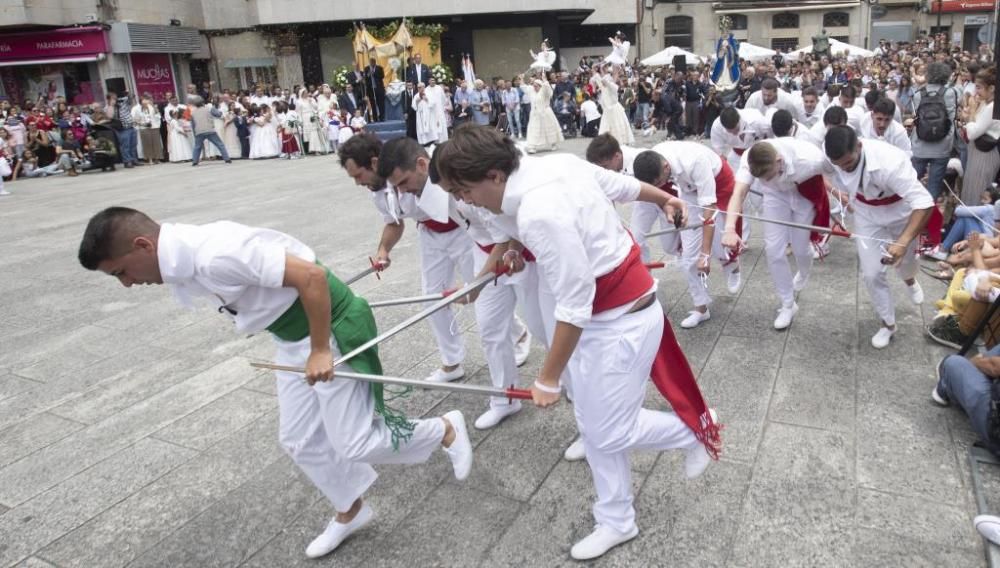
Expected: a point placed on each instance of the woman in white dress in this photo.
(544, 58)
(264, 142)
(614, 120)
(178, 141)
(230, 136)
(619, 50)
(313, 134)
(981, 168)
(543, 128)
(428, 118)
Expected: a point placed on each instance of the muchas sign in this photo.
(66, 42)
(153, 74)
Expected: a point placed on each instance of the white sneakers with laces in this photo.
(575, 451)
(336, 533)
(460, 450)
(695, 317)
(441, 376)
(494, 416)
(785, 316)
(600, 541)
(881, 338)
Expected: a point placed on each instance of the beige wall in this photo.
(244, 45)
(504, 52)
(229, 14)
(68, 12)
(160, 12)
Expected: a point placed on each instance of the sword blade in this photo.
(412, 299)
(398, 381)
(674, 230)
(359, 276)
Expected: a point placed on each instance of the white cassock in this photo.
(328, 429)
(560, 208)
(895, 134)
(442, 252)
(693, 171)
(884, 191)
(783, 202)
(645, 215)
(426, 108)
(437, 93)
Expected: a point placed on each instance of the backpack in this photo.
(932, 120)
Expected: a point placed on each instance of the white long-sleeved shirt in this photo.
(800, 162)
(753, 127)
(884, 171)
(784, 101)
(895, 134)
(233, 266)
(693, 167)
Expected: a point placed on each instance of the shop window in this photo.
(836, 20)
(677, 31)
(739, 22)
(784, 44)
(785, 21)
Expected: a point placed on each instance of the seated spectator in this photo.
(968, 298)
(565, 111)
(71, 155)
(29, 168)
(981, 219)
(100, 153)
(970, 384)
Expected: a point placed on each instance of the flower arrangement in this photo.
(340, 76)
(442, 74)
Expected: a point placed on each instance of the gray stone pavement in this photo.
(135, 433)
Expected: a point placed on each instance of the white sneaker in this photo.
(336, 533)
(989, 527)
(600, 541)
(916, 293)
(936, 397)
(694, 318)
(522, 348)
(494, 416)
(441, 376)
(696, 459)
(460, 450)
(785, 316)
(575, 451)
(734, 282)
(881, 338)
(799, 282)
(4, 192)
(937, 254)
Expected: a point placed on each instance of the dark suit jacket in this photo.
(347, 105)
(424, 75)
(375, 78)
(411, 115)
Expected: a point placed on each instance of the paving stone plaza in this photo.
(135, 433)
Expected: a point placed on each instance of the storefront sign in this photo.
(977, 20)
(67, 42)
(961, 6)
(153, 74)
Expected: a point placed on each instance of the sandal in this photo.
(945, 275)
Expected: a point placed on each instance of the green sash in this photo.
(352, 324)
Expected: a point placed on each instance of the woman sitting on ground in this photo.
(969, 296)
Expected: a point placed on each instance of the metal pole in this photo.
(375, 267)
(509, 392)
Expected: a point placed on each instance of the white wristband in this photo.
(548, 389)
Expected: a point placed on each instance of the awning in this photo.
(250, 62)
(789, 8)
(51, 61)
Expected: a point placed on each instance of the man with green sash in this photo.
(334, 430)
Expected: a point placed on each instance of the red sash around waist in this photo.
(438, 227)
(877, 202)
(739, 151)
(814, 189)
(524, 253)
(670, 371)
(725, 181)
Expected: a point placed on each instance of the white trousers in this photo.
(440, 255)
(644, 216)
(499, 329)
(331, 432)
(691, 241)
(610, 371)
(787, 206)
(882, 222)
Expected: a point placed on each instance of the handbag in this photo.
(985, 143)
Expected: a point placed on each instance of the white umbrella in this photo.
(752, 52)
(666, 57)
(837, 47)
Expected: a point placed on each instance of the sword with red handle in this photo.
(375, 268)
(510, 393)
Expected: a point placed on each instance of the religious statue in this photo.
(821, 44)
(726, 70)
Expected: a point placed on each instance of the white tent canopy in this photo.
(752, 52)
(666, 57)
(837, 47)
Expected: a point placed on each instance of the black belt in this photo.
(643, 303)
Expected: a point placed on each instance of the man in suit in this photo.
(349, 100)
(418, 72)
(375, 89)
(411, 115)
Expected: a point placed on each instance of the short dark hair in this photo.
(432, 172)
(729, 117)
(361, 148)
(839, 141)
(835, 116)
(849, 91)
(810, 91)
(109, 233)
(399, 153)
(602, 148)
(871, 97)
(884, 106)
(473, 151)
(647, 166)
(832, 90)
(770, 84)
(782, 122)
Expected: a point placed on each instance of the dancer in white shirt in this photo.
(879, 125)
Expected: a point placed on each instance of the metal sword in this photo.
(674, 230)
(375, 267)
(509, 392)
(412, 299)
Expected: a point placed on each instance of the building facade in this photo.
(84, 48)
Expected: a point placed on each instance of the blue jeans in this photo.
(935, 179)
(128, 144)
(963, 384)
(199, 143)
(965, 224)
(642, 115)
(525, 115)
(514, 122)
